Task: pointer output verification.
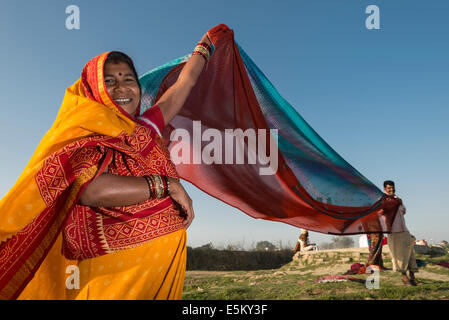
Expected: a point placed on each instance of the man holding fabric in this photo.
(400, 241)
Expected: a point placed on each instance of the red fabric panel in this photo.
(154, 114)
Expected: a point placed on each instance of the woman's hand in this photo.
(206, 39)
(180, 196)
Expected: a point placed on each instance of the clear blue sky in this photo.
(380, 98)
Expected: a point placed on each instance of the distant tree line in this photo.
(337, 243)
(265, 256)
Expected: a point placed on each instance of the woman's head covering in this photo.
(94, 86)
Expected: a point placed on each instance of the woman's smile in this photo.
(123, 100)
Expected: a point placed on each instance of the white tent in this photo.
(363, 241)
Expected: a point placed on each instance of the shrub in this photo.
(338, 243)
(208, 258)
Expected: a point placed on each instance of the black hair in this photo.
(117, 56)
(388, 183)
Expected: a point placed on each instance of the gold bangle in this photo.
(203, 51)
(156, 186)
(159, 186)
(205, 45)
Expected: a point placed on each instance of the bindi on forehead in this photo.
(120, 74)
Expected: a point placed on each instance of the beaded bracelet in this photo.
(160, 186)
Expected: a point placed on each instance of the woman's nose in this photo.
(119, 86)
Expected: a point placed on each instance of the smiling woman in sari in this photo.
(99, 212)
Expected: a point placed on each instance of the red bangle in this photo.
(203, 44)
(153, 188)
(202, 54)
(150, 186)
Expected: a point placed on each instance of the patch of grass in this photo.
(433, 259)
(296, 281)
(436, 269)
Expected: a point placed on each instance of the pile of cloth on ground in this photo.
(338, 278)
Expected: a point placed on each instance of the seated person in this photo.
(303, 244)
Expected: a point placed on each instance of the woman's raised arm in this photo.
(174, 98)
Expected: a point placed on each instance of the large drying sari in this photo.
(312, 187)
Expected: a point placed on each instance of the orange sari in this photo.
(137, 252)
